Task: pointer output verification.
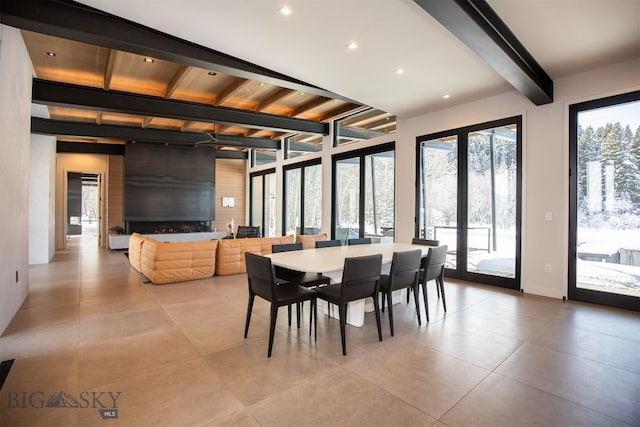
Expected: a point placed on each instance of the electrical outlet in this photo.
(17, 277)
(547, 268)
(548, 216)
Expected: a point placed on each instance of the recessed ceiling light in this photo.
(352, 45)
(260, 84)
(149, 60)
(400, 71)
(284, 10)
(447, 96)
(301, 93)
(51, 53)
(212, 73)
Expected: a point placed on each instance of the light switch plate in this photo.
(548, 216)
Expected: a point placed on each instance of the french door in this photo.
(604, 201)
(469, 188)
(262, 208)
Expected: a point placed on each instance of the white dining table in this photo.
(330, 261)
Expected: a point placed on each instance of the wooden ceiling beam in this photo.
(342, 110)
(275, 97)
(230, 90)
(108, 70)
(309, 105)
(175, 81)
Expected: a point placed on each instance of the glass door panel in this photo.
(607, 248)
(293, 193)
(438, 194)
(269, 205)
(312, 199)
(491, 201)
(347, 199)
(379, 180)
(256, 201)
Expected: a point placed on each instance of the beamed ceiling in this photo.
(105, 77)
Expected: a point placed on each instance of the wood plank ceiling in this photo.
(67, 61)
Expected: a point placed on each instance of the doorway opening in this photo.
(83, 206)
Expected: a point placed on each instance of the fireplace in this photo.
(160, 227)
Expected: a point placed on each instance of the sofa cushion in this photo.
(309, 240)
(176, 262)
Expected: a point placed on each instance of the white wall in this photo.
(545, 157)
(42, 179)
(15, 104)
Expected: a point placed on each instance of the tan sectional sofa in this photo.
(163, 262)
(230, 257)
(309, 240)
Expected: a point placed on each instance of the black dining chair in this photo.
(425, 242)
(284, 275)
(327, 243)
(262, 282)
(404, 274)
(360, 279)
(359, 241)
(432, 268)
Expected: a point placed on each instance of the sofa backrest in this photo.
(230, 256)
(309, 240)
(135, 250)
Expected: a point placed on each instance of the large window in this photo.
(303, 198)
(604, 254)
(468, 198)
(263, 202)
(364, 193)
(301, 144)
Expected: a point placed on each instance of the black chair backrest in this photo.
(360, 241)
(286, 247)
(247, 231)
(405, 266)
(260, 275)
(360, 277)
(327, 243)
(425, 242)
(434, 263)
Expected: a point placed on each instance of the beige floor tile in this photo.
(252, 376)
(118, 299)
(618, 323)
(52, 297)
(499, 401)
(479, 347)
(608, 390)
(103, 361)
(595, 346)
(124, 324)
(52, 338)
(185, 394)
(341, 398)
(429, 380)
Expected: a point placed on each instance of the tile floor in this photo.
(176, 356)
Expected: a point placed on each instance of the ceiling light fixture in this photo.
(212, 73)
(51, 53)
(400, 71)
(352, 45)
(149, 60)
(284, 10)
(447, 96)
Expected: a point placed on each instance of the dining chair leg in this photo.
(342, 313)
(289, 313)
(298, 314)
(249, 309)
(314, 303)
(272, 327)
(416, 300)
(426, 301)
(384, 298)
(376, 308)
(444, 301)
(388, 294)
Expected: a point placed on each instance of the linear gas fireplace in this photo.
(163, 227)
